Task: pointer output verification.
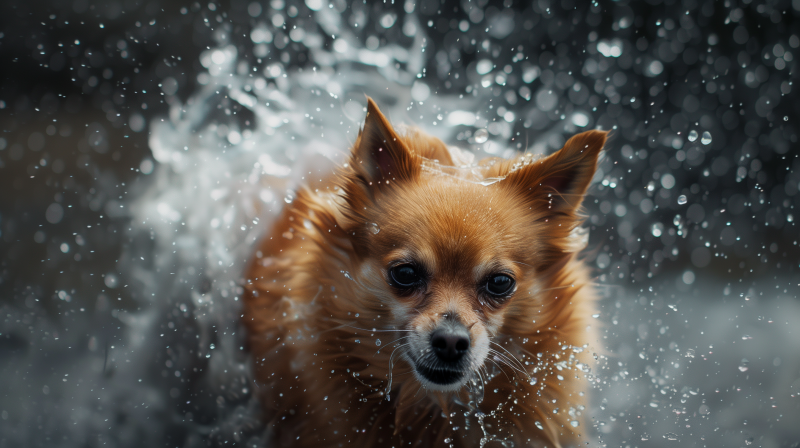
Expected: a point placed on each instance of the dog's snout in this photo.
(449, 347)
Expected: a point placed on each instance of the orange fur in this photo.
(320, 296)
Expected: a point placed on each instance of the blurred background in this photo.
(145, 146)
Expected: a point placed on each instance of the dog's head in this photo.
(453, 258)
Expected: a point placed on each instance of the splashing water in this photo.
(287, 103)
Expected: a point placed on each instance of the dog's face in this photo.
(450, 256)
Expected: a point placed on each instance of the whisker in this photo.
(399, 339)
(510, 360)
(501, 368)
(390, 343)
(505, 362)
(421, 398)
(503, 358)
(391, 362)
(512, 357)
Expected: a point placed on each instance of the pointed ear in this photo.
(379, 156)
(561, 180)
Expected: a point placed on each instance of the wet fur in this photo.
(318, 298)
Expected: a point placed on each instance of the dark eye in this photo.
(405, 275)
(499, 285)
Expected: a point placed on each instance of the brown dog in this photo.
(410, 302)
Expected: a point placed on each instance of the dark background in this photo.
(81, 82)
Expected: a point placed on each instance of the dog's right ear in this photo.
(379, 156)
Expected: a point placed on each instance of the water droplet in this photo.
(374, 228)
(574, 423)
(484, 66)
(481, 136)
(111, 280)
(671, 436)
(596, 315)
(378, 342)
(745, 365)
(692, 135)
(657, 229)
(748, 441)
(347, 275)
(645, 437)
(747, 337)
(539, 425)
(682, 199)
(580, 119)
(388, 20)
(533, 381)
(610, 49)
(289, 197)
(706, 138)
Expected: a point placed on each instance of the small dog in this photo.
(415, 300)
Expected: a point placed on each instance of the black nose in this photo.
(449, 347)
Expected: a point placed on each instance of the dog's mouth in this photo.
(442, 376)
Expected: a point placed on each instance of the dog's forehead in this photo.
(452, 220)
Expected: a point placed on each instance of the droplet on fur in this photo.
(378, 342)
(539, 425)
(347, 275)
(374, 228)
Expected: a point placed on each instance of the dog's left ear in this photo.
(379, 156)
(561, 180)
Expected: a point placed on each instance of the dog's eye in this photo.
(405, 275)
(499, 285)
